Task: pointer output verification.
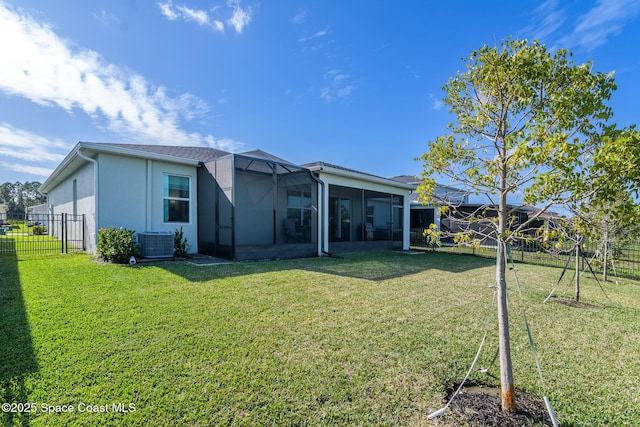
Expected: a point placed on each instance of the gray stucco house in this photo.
(245, 206)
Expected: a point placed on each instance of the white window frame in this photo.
(165, 196)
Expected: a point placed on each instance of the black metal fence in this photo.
(622, 259)
(35, 233)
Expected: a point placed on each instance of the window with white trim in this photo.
(176, 193)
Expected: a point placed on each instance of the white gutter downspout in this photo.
(95, 195)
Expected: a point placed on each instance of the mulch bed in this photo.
(482, 406)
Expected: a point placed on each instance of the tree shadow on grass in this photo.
(17, 357)
(374, 266)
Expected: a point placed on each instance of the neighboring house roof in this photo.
(407, 179)
(413, 181)
(410, 179)
(443, 192)
(544, 215)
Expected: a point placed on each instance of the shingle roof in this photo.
(203, 154)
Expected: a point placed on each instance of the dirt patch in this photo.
(478, 405)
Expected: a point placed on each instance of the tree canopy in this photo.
(18, 196)
(527, 123)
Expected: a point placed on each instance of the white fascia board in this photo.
(52, 179)
(401, 188)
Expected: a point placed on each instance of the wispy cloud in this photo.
(547, 19)
(199, 16)
(31, 150)
(110, 20)
(241, 16)
(436, 103)
(22, 168)
(239, 19)
(300, 16)
(39, 66)
(340, 86)
(553, 24)
(13, 142)
(168, 11)
(412, 71)
(606, 19)
(315, 35)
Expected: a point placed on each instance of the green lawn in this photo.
(367, 339)
(26, 243)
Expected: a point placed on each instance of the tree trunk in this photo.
(605, 266)
(506, 371)
(577, 293)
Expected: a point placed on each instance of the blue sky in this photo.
(355, 83)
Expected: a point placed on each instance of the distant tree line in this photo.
(18, 196)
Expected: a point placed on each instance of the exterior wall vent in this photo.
(157, 244)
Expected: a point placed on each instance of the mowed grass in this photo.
(366, 339)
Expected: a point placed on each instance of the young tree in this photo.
(611, 213)
(525, 120)
(612, 222)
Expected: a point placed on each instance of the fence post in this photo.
(84, 243)
(63, 238)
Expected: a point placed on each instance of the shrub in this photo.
(117, 245)
(39, 230)
(180, 245)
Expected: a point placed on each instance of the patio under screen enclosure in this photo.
(262, 208)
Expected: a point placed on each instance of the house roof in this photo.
(325, 165)
(203, 154)
(194, 156)
(352, 173)
(259, 154)
(84, 150)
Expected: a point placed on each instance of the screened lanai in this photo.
(360, 211)
(254, 206)
(362, 219)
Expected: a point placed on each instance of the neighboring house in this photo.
(3, 213)
(244, 206)
(39, 215)
(456, 220)
(41, 209)
(422, 216)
